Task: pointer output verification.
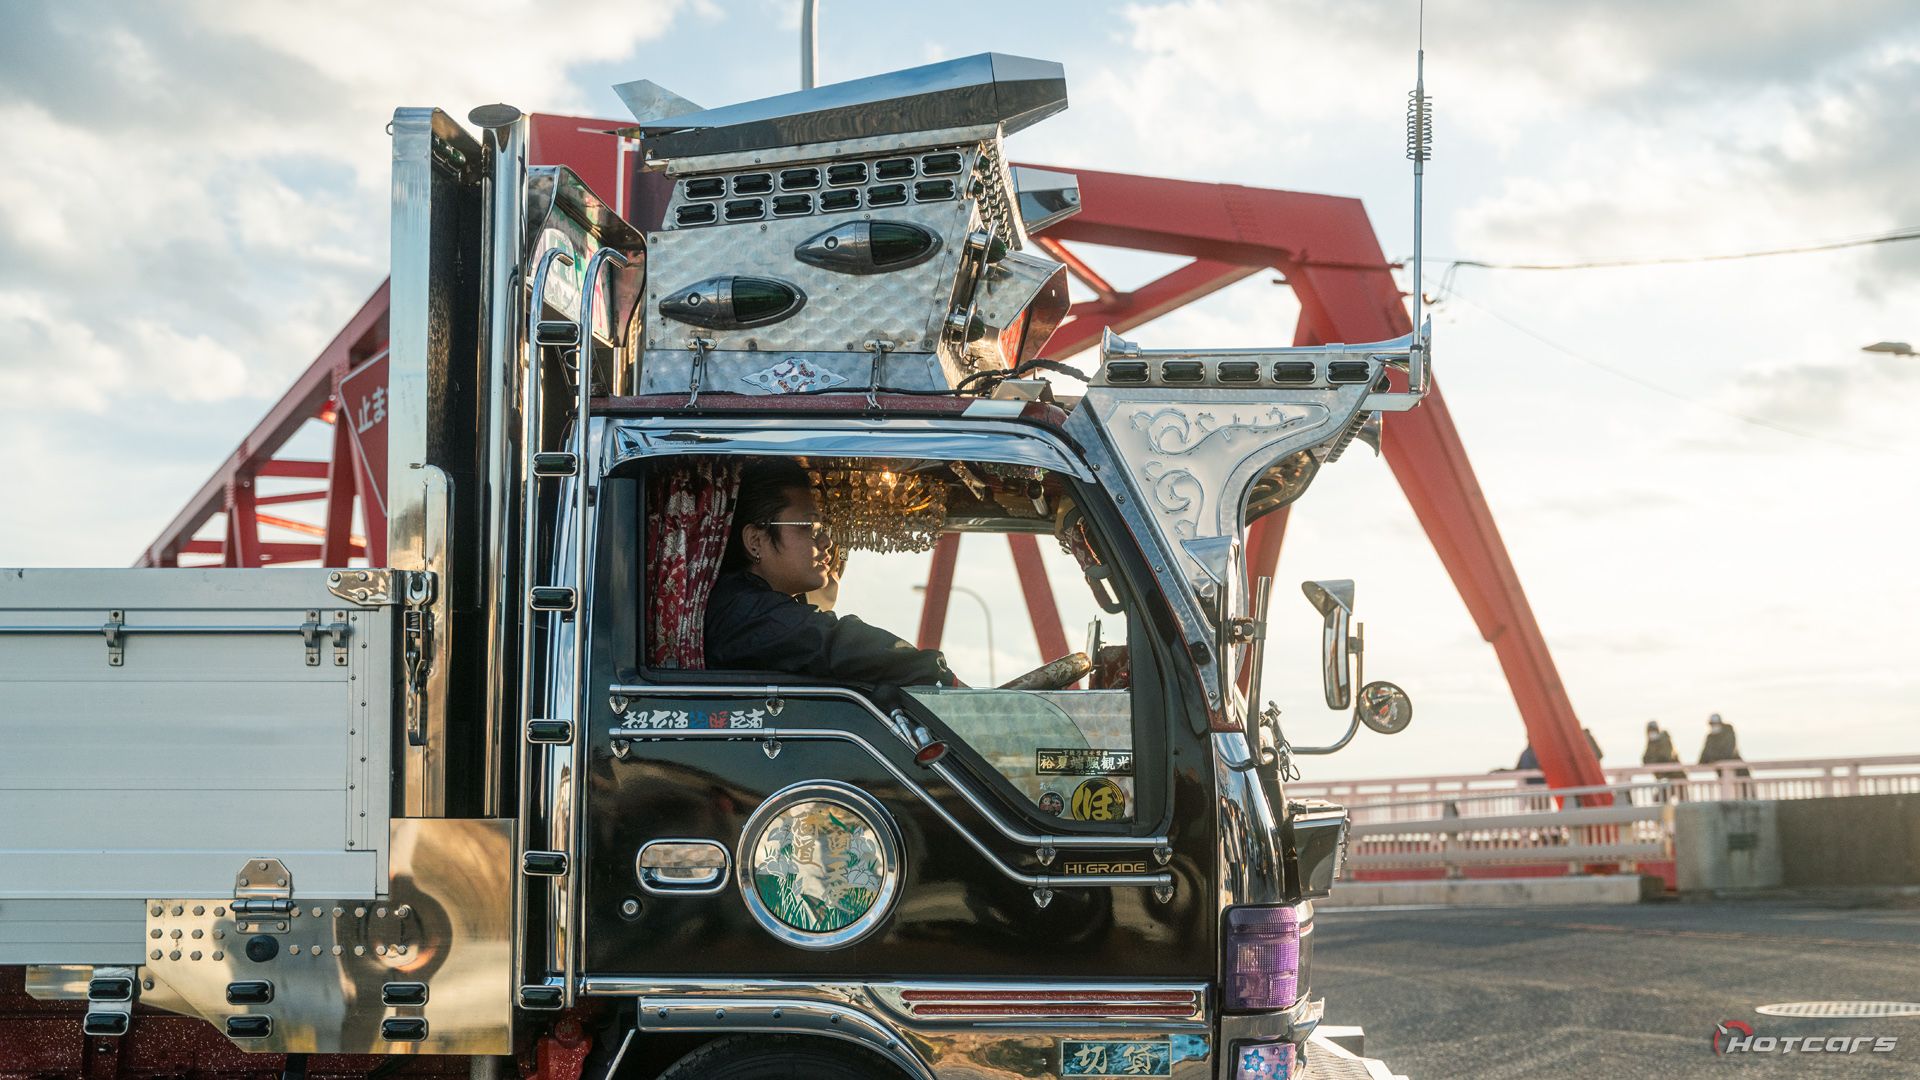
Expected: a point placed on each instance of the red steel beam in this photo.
(1424, 450)
(1103, 290)
(289, 497)
(341, 468)
(362, 334)
(933, 608)
(1047, 630)
(1191, 282)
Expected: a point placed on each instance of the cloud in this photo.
(196, 195)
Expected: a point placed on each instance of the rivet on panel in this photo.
(156, 910)
(153, 933)
(155, 954)
(359, 950)
(380, 950)
(174, 955)
(198, 934)
(194, 955)
(179, 909)
(359, 913)
(218, 933)
(293, 950)
(218, 955)
(380, 913)
(220, 911)
(337, 950)
(199, 909)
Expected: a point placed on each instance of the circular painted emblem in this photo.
(1099, 799)
(1052, 803)
(819, 865)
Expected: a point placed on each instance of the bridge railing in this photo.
(1537, 826)
(1514, 791)
(1463, 822)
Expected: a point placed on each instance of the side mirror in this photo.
(1385, 708)
(1334, 601)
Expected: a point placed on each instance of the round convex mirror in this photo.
(1384, 707)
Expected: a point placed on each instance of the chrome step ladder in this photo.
(552, 751)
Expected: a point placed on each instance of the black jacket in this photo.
(752, 627)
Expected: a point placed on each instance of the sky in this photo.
(1703, 482)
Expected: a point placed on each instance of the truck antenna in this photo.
(1419, 149)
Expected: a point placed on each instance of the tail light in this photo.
(1267, 950)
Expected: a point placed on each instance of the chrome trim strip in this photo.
(929, 1004)
(944, 771)
(1036, 881)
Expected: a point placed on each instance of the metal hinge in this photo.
(312, 631)
(263, 891)
(368, 588)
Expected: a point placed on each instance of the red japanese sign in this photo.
(363, 408)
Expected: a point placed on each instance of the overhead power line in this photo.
(1446, 287)
(1894, 237)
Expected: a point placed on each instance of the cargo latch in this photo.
(312, 631)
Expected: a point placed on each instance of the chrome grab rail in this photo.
(568, 894)
(531, 441)
(1012, 832)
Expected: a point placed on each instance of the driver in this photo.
(777, 551)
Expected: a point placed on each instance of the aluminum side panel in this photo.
(213, 740)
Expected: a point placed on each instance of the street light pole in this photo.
(809, 42)
(986, 614)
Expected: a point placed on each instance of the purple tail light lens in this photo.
(1263, 1061)
(1264, 957)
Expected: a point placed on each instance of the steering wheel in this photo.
(1053, 675)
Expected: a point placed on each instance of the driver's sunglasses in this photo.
(820, 531)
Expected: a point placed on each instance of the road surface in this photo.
(1610, 992)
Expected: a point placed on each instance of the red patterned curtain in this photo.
(689, 507)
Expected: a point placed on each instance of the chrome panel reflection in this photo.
(995, 441)
(505, 357)
(1012, 1045)
(1294, 1025)
(973, 798)
(444, 922)
(421, 255)
(1250, 864)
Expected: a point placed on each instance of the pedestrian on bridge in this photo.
(1660, 751)
(1722, 745)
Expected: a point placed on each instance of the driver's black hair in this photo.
(765, 489)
